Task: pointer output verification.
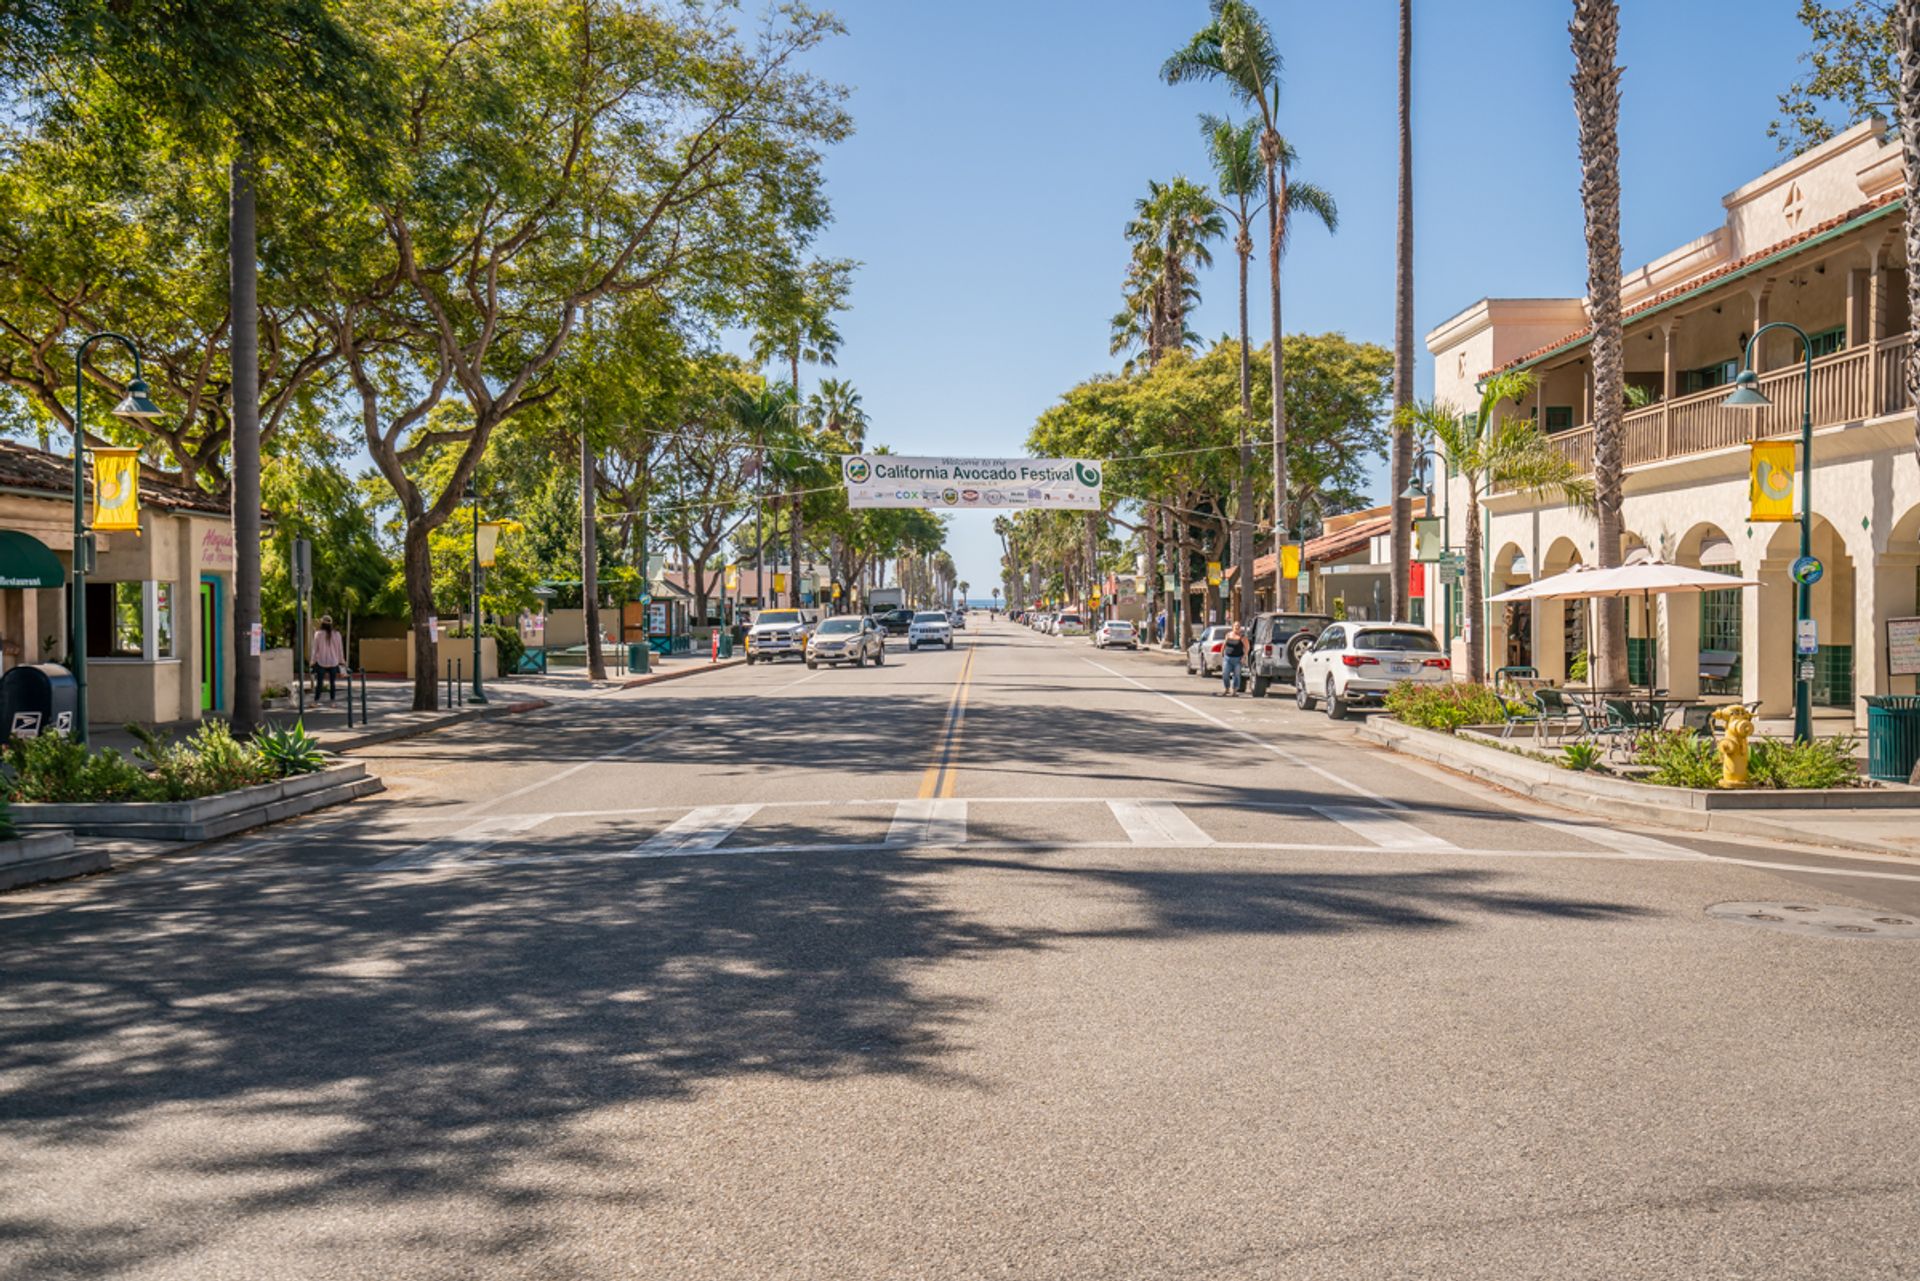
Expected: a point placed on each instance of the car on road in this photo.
(959, 618)
(930, 627)
(894, 621)
(1352, 664)
(1279, 642)
(847, 640)
(779, 633)
(1116, 632)
(1207, 655)
(1070, 625)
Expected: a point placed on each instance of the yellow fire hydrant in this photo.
(1736, 724)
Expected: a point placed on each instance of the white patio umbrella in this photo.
(1645, 579)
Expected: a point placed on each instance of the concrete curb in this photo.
(655, 678)
(1532, 779)
(208, 817)
(46, 856)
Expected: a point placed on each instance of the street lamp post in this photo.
(134, 407)
(1418, 488)
(1747, 395)
(479, 694)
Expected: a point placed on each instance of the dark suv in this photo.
(894, 621)
(1278, 642)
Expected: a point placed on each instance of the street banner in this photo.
(1213, 573)
(116, 489)
(1417, 580)
(1289, 560)
(1771, 475)
(1426, 538)
(893, 480)
(779, 582)
(1167, 583)
(733, 578)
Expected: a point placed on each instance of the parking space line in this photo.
(696, 831)
(1157, 823)
(1383, 830)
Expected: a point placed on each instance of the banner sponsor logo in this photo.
(116, 489)
(891, 480)
(1771, 480)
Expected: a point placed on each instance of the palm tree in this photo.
(1235, 152)
(1906, 32)
(1595, 31)
(1173, 226)
(798, 320)
(834, 410)
(1489, 449)
(1400, 472)
(766, 416)
(1237, 47)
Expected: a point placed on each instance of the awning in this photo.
(26, 562)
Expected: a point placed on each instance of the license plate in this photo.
(1402, 669)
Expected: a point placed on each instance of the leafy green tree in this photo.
(1852, 72)
(1493, 447)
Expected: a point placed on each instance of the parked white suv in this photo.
(1354, 663)
(929, 627)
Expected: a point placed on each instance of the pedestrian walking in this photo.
(326, 656)
(1233, 651)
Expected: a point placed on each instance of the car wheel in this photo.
(1260, 687)
(880, 657)
(750, 660)
(1301, 698)
(949, 644)
(812, 666)
(860, 660)
(1297, 649)
(1336, 706)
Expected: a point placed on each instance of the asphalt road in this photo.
(1019, 961)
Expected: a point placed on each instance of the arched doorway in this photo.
(1559, 626)
(1513, 623)
(1704, 637)
(1769, 618)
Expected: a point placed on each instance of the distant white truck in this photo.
(881, 599)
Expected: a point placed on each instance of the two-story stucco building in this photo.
(1818, 241)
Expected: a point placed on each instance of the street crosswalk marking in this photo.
(1157, 823)
(696, 831)
(463, 845)
(1382, 829)
(1633, 844)
(929, 821)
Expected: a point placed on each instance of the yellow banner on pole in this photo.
(779, 582)
(1771, 477)
(1289, 560)
(733, 578)
(116, 489)
(1213, 573)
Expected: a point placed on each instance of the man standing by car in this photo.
(1233, 652)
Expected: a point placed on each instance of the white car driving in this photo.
(929, 627)
(1117, 632)
(1356, 663)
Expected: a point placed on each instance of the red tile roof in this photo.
(1329, 547)
(1718, 273)
(36, 470)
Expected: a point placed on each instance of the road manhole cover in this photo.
(1820, 918)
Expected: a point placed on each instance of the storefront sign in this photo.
(216, 549)
(891, 480)
(1903, 646)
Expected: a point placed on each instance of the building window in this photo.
(1720, 614)
(130, 620)
(1825, 343)
(1709, 376)
(1559, 418)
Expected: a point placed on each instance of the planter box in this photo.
(209, 816)
(46, 856)
(1596, 791)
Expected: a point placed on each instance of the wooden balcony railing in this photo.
(1848, 386)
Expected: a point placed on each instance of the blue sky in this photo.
(1000, 147)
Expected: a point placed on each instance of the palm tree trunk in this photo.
(1149, 534)
(243, 305)
(1276, 228)
(1400, 474)
(794, 538)
(1595, 32)
(1906, 30)
(590, 561)
(1243, 514)
(1472, 606)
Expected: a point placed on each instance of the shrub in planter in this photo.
(1443, 707)
(1820, 762)
(54, 768)
(223, 763)
(290, 751)
(1580, 757)
(1678, 758)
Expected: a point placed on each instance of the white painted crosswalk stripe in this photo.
(1380, 828)
(928, 821)
(1633, 844)
(696, 831)
(465, 844)
(1157, 823)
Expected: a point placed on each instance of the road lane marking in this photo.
(1383, 830)
(1157, 823)
(928, 821)
(697, 831)
(935, 781)
(1632, 844)
(462, 846)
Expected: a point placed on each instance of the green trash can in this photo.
(1893, 736)
(637, 655)
(726, 645)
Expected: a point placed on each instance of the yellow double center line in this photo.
(941, 776)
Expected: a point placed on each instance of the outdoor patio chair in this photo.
(1627, 720)
(1698, 719)
(1562, 714)
(1514, 713)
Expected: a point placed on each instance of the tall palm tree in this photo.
(1400, 471)
(1235, 153)
(1595, 31)
(1172, 230)
(1491, 448)
(1906, 35)
(834, 410)
(1238, 47)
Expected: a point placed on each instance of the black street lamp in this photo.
(135, 407)
(1747, 395)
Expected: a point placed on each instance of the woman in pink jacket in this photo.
(326, 656)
